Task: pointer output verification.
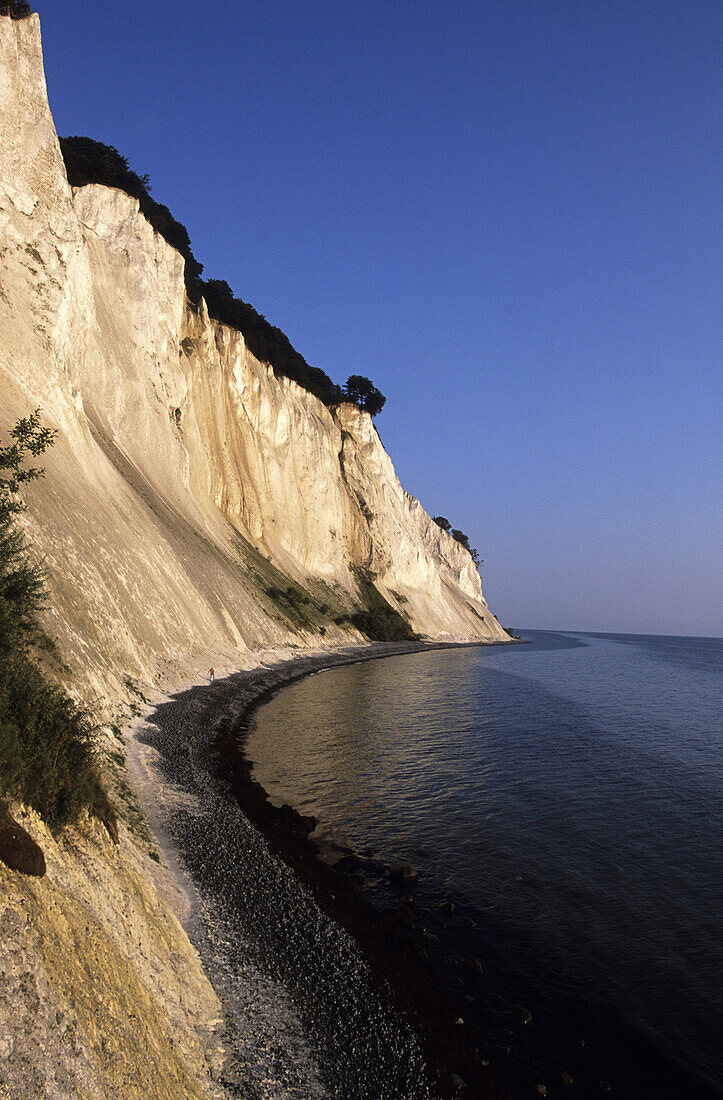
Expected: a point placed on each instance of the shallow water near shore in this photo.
(301, 1017)
(565, 796)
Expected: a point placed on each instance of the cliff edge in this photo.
(183, 464)
(196, 508)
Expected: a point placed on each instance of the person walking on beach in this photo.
(211, 674)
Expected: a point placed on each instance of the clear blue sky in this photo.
(507, 214)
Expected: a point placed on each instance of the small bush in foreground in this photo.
(47, 751)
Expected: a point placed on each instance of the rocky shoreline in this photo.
(275, 932)
(204, 809)
(390, 940)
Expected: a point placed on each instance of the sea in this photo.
(562, 803)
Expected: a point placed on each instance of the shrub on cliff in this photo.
(463, 540)
(47, 753)
(16, 9)
(378, 620)
(459, 536)
(88, 161)
(364, 394)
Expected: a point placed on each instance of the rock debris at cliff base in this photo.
(302, 1016)
(186, 477)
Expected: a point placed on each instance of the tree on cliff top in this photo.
(16, 9)
(463, 540)
(459, 536)
(364, 394)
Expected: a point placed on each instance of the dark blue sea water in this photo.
(567, 797)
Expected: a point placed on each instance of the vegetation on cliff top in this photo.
(459, 536)
(47, 751)
(89, 161)
(16, 9)
(364, 394)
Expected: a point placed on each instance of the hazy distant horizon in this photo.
(507, 216)
(617, 633)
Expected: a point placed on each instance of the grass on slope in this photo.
(47, 741)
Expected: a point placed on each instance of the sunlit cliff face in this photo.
(183, 466)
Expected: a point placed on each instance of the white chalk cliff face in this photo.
(182, 464)
(187, 486)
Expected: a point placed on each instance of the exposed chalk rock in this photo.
(187, 489)
(180, 457)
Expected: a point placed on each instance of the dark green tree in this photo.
(443, 522)
(463, 540)
(16, 9)
(21, 580)
(28, 439)
(364, 393)
(47, 751)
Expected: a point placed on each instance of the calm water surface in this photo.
(567, 795)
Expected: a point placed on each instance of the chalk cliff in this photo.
(174, 440)
(188, 488)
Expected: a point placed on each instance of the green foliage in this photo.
(88, 161)
(28, 438)
(308, 608)
(295, 604)
(463, 540)
(460, 536)
(383, 625)
(375, 618)
(47, 753)
(16, 9)
(292, 595)
(22, 586)
(378, 619)
(364, 394)
(21, 580)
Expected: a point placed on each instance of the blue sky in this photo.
(507, 214)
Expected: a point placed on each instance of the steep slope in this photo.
(195, 508)
(180, 457)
